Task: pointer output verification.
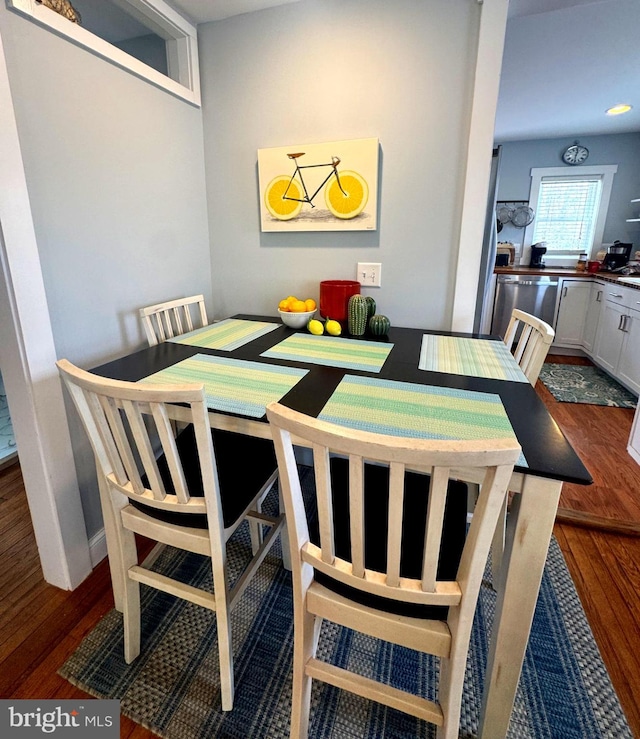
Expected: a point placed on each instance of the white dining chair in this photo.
(163, 321)
(381, 549)
(191, 492)
(531, 346)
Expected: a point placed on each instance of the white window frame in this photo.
(605, 171)
(181, 38)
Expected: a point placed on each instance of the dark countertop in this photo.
(563, 272)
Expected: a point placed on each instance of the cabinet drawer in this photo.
(621, 295)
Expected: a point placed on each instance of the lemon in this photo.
(333, 328)
(347, 199)
(281, 207)
(315, 327)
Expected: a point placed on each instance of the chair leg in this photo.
(306, 634)
(131, 620)
(497, 546)
(284, 537)
(225, 642)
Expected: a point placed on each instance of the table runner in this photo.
(334, 351)
(233, 385)
(418, 411)
(457, 355)
(226, 335)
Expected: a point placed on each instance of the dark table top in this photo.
(545, 447)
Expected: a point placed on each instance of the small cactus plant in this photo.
(358, 312)
(379, 325)
(371, 307)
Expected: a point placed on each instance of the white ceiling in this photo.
(559, 72)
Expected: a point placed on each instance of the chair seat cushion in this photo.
(413, 533)
(244, 465)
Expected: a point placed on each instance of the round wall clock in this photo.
(575, 154)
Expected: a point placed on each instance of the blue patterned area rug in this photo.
(575, 383)
(173, 687)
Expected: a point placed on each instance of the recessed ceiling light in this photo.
(619, 109)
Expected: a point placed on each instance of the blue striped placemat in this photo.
(458, 355)
(333, 351)
(233, 385)
(419, 411)
(226, 335)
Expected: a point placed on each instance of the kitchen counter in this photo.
(562, 272)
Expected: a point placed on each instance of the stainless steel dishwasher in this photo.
(535, 294)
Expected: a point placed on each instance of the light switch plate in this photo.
(368, 274)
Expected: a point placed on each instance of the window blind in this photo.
(567, 212)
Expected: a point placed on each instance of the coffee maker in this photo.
(537, 253)
(617, 256)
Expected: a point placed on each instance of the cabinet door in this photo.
(574, 301)
(596, 299)
(629, 362)
(609, 340)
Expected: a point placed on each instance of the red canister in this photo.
(334, 298)
(593, 266)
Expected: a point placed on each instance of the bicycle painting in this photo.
(328, 186)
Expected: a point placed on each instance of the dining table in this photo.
(413, 381)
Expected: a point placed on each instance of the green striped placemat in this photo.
(233, 385)
(457, 355)
(226, 335)
(333, 351)
(418, 411)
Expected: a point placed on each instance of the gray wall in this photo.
(518, 157)
(315, 71)
(115, 174)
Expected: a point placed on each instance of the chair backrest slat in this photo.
(164, 321)
(533, 343)
(325, 506)
(435, 520)
(394, 536)
(356, 513)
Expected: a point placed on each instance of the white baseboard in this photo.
(97, 548)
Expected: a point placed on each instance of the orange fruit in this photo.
(310, 304)
(297, 306)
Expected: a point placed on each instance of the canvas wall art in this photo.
(319, 187)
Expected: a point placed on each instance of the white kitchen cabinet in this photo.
(609, 339)
(596, 299)
(628, 370)
(618, 338)
(573, 303)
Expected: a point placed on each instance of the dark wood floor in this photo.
(40, 626)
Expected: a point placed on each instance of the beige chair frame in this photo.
(533, 344)
(106, 408)
(313, 602)
(165, 320)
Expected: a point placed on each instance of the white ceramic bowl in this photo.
(296, 320)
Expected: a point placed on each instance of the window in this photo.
(146, 37)
(570, 208)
